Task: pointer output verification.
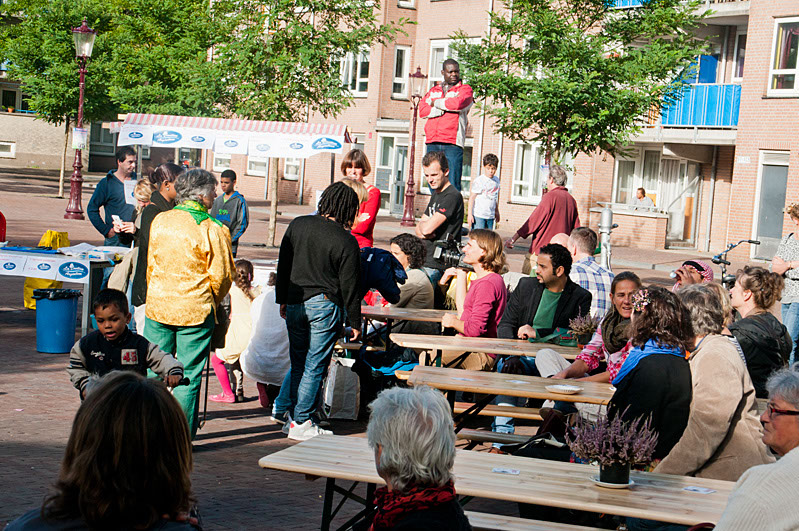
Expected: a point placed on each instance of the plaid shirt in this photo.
(596, 279)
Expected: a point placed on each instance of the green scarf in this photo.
(615, 331)
(197, 211)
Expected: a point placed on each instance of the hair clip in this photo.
(640, 300)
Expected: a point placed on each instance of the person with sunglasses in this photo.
(764, 496)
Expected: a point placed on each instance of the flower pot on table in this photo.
(618, 473)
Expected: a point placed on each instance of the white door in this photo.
(398, 180)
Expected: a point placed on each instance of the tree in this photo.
(579, 76)
(280, 58)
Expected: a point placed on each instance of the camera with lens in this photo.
(448, 253)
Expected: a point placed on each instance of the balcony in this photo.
(702, 114)
(637, 3)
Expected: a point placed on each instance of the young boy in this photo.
(231, 209)
(484, 196)
(114, 347)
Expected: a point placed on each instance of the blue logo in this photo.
(296, 145)
(43, 267)
(9, 266)
(262, 147)
(198, 139)
(73, 270)
(166, 137)
(231, 143)
(326, 143)
(135, 134)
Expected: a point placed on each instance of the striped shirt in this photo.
(596, 279)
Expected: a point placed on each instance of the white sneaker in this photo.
(306, 430)
(287, 424)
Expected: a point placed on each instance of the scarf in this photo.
(703, 268)
(637, 354)
(614, 331)
(392, 506)
(197, 211)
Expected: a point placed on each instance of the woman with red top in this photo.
(356, 166)
(480, 308)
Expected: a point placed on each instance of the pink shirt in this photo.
(484, 305)
(595, 351)
(363, 231)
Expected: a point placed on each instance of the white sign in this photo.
(73, 271)
(46, 268)
(11, 265)
(135, 135)
(80, 138)
(742, 159)
(230, 143)
(130, 187)
(198, 138)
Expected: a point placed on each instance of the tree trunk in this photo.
(273, 209)
(63, 160)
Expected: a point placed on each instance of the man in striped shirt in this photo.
(585, 271)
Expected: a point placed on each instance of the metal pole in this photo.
(408, 219)
(74, 209)
(606, 226)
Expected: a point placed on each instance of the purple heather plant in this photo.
(608, 441)
(583, 325)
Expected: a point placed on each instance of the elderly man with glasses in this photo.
(764, 497)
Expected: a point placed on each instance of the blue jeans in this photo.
(482, 223)
(434, 275)
(282, 402)
(506, 424)
(313, 327)
(454, 156)
(790, 318)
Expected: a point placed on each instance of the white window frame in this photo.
(403, 79)
(251, 171)
(637, 160)
(293, 162)
(218, 157)
(353, 60)
(533, 197)
(93, 145)
(761, 161)
(434, 71)
(741, 32)
(405, 3)
(12, 153)
(775, 72)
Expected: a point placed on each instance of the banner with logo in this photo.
(167, 138)
(230, 143)
(198, 138)
(11, 264)
(131, 135)
(73, 271)
(41, 268)
(46, 267)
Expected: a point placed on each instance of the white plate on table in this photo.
(564, 389)
(598, 483)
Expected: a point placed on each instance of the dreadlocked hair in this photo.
(244, 273)
(339, 202)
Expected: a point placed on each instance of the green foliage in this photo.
(580, 76)
(279, 58)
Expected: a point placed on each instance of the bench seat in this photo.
(496, 522)
(491, 410)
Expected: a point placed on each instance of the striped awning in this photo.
(257, 138)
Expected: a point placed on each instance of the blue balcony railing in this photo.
(628, 3)
(712, 105)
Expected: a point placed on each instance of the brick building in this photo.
(729, 146)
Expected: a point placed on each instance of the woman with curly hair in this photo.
(655, 379)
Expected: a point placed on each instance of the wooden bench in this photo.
(402, 375)
(496, 522)
(491, 410)
(481, 436)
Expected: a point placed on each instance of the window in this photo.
(625, 182)
(257, 166)
(9, 99)
(355, 73)
(8, 150)
(466, 170)
(221, 162)
(740, 55)
(440, 50)
(530, 173)
(405, 3)
(402, 57)
(769, 217)
(782, 78)
(101, 141)
(292, 168)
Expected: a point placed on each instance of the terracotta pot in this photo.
(615, 473)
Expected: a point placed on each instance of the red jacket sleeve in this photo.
(371, 206)
(464, 98)
(424, 107)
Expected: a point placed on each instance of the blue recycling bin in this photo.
(56, 318)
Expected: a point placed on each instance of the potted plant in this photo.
(583, 328)
(615, 444)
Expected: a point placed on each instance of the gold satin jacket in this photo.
(189, 268)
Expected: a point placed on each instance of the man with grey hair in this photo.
(413, 439)
(764, 496)
(557, 212)
(586, 272)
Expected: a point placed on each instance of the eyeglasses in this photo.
(774, 412)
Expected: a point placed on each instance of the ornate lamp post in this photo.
(417, 85)
(84, 42)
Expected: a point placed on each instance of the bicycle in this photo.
(728, 281)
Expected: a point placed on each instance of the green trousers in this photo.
(191, 346)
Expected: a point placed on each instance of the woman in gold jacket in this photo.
(189, 271)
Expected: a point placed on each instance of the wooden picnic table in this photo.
(389, 314)
(552, 483)
(502, 347)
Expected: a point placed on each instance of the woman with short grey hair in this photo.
(723, 437)
(413, 438)
(189, 271)
(765, 495)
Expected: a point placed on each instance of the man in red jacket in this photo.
(557, 212)
(446, 108)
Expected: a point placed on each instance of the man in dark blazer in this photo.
(535, 309)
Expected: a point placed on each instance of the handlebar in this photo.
(717, 260)
(183, 381)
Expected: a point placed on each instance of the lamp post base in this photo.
(74, 209)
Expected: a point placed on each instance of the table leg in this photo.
(327, 506)
(439, 353)
(461, 419)
(389, 322)
(90, 290)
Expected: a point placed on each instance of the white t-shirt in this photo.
(487, 191)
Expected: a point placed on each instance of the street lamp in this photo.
(417, 85)
(84, 42)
